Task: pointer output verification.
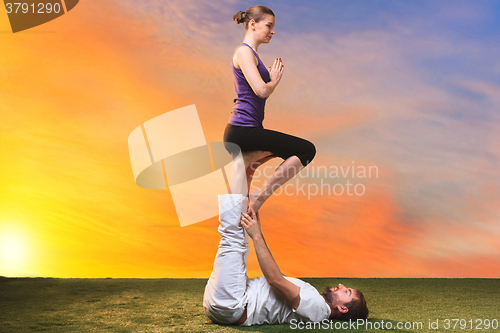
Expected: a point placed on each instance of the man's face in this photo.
(338, 295)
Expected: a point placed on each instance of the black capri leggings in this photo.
(280, 144)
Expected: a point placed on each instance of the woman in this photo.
(253, 85)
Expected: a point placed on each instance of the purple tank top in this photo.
(248, 109)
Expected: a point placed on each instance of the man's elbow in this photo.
(272, 282)
(275, 281)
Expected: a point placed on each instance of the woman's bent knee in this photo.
(309, 153)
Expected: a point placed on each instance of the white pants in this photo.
(225, 296)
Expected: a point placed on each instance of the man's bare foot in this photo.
(256, 200)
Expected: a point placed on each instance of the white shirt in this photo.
(267, 306)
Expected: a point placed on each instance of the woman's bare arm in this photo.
(246, 60)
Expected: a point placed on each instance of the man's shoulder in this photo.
(312, 304)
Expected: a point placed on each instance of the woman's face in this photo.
(264, 29)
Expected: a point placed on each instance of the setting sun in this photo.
(14, 251)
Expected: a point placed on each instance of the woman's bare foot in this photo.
(256, 200)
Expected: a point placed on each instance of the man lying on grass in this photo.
(232, 298)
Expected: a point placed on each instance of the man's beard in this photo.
(330, 296)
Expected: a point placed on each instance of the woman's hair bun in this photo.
(239, 17)
(255, 13)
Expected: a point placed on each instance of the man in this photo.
(232, 298)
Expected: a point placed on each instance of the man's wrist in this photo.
(258, 237)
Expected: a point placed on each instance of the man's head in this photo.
(346, 303)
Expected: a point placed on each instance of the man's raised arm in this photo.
(268, 265)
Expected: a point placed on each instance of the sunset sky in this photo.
(410, 88)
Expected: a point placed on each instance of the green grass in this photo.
(175, 305)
